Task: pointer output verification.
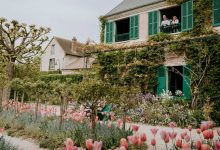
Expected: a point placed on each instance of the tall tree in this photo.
(19, 43)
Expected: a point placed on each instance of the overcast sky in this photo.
(66, 18)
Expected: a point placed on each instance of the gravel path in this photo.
(22, 144)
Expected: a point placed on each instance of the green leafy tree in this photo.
(126, 98)
(91, 92)
(64, 91)
(19, 43)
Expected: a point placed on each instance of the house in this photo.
(134, 21)
(65, 55)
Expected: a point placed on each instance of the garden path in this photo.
(22, 144)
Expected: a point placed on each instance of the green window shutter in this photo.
(134, 27)
(186, 82)
(152, 22)
(109, 32)
(216, 12)
(161, 78)
(187, 15)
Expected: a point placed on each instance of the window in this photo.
(174, 78)
(122, 30)
(134, 27)
(152, 22)
(52, 64)
(187, 15)
(170, 20)
(109, 32)
(216, 12)
(52, 52)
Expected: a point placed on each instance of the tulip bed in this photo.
(77, 132)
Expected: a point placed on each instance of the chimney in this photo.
(74, 42)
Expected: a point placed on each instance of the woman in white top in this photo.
(165, 22)
(175, 24)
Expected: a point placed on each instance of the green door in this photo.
(109, 32)
(161, 78)
(186, 82)
(134, 27)
(216, 12)
(153, 22)
(187, 15)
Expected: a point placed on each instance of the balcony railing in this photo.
(171, 28)
(122, 37)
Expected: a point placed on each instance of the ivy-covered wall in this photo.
(138, 64)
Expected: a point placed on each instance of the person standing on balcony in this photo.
(165, 24)
(175, 24)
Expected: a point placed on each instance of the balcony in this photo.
(122, 37)
(171, 28)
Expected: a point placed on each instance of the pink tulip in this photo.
(203, 127)
(217, 145)
(198, 131)
(183, 135)
(179, 143)
(218, 131)
(121, 148)
(172, 124)
(164, 136)
(143, 137)
(124, 143)
(186, 146)
(205, 147)
(97, 145)
(208, 134)
(210, 124)
(135, 140)
(70, 145)
(154, 131)
(187, 138)
(190, 128)
(135, 128)
(198, 144)
(89, 144)
(153, 142)
(119, 122)
(172, 135)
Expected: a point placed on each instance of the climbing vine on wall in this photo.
(102, 21)
(130, 67)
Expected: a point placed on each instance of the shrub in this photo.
(110, 136)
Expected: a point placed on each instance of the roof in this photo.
(127, 5)
(79, 63)
(67, 46)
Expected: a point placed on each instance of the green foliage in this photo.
(132, 67)
(161, 37)
(164, 112)
(109, 136)
(74, 78)
(102, 21)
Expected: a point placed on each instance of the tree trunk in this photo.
(1, 108)
(22, 98)
(36, 109)
(124, 119)
(93, 119)
(16, 102)
(61, 112)
(7, 89)
(15, 95)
